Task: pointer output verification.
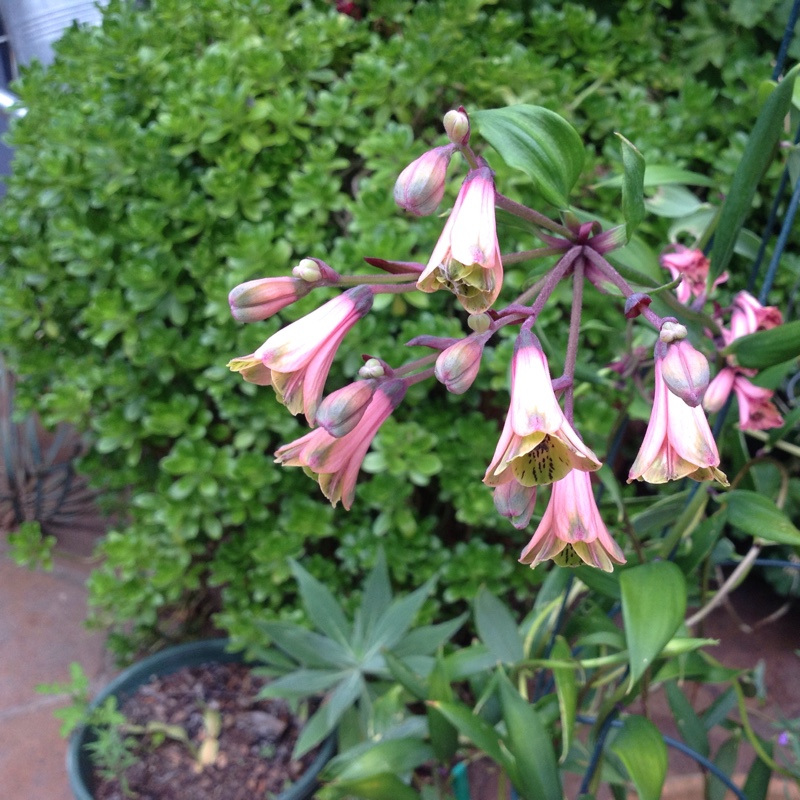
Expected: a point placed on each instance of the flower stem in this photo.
(571, 356)
(523, 212)
(376, 280)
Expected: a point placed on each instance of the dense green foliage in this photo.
(179, 150)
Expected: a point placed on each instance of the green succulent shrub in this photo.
(182, 148)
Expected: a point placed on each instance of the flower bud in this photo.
(458, 366)
(685, 371)
(456, 125)
(515, 502)
(420, 187)
(635, 304)
(719, 390)
(342, 410)
(480, 323)
(261, 298)
(373, 368)
(307, 270)
(672, 332)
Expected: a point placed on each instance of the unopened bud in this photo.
(515, 502)
(342, 410)
(685, 371)
(420, 187)
(373, 368)
(307, 270)
(672, 332)
(456, 125)
(635, 304)
(261, 298)
(480, 323)
(458, 366)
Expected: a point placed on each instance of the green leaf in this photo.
(322, 607)
(632, 186)
(377, 593)
(703, 539)
(640, 747)
(765, 348)
(308, 648)
(497, 628)
(444, 736)
(399, 617)
(758, 154)
(663, 175)
(538, 777)
(757, 784)
(690, 726)
(653, 606)
(426, 639)
(725, 759)
(389, 756)
(538, 142)
(327, 716)
(480, 733)
(567, 691)
(302, 683)
(405, 676)
(760, 517)
(376, 787)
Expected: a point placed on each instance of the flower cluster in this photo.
(538, 444)
(757, 410)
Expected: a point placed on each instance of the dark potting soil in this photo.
(256, 739)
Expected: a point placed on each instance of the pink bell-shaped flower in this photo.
(572, 531)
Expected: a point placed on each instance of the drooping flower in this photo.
(749, 316)
(537, 445)
(678, 442)
(335, 462)
(298, 357)
(420, 187)
(572, 531)
(466, 259)
(692, 265)
(757, 412)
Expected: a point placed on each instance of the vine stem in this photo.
(375, 280)
(722, 593)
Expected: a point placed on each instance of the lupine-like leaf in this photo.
(322, 607)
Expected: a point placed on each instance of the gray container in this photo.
(33, 25)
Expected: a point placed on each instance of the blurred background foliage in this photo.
(182, 148)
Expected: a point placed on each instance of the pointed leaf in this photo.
(428, 638)
(377, 593)
(567, 691)
(406, 676)
(632, 186)
(725, 759)
(309, 649)
(760, 517)
(662, 175)
(640, 747)
(497, 628)
(323, 609)
(480, 733)
(765, 348)
(757, 784)
(377, 787)
(324, 721)
(758, 154)
(539, 778)
(398, 618)
(302, 683)
(389, 756)
(690, 726)
(653, 606)
(444, 736)
(538, 142)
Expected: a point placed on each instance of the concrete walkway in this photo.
(41, 633)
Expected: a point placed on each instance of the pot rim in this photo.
(165, 662)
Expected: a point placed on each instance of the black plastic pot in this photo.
(79, 766)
